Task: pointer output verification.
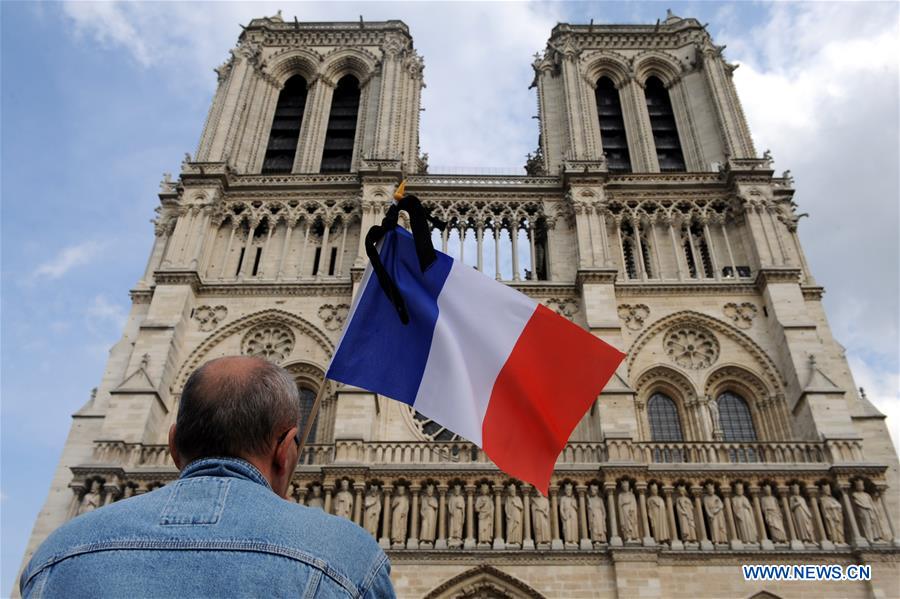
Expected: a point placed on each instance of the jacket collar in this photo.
(225, 467)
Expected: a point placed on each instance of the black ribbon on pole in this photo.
(419, 218)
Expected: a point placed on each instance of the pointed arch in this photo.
(604, 63)
(478, 580)
(244, 323)
(675, 386)
(767, 367)
(652, 63)
(295, 61)
(348, 61)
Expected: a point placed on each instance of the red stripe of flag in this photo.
(554, 373)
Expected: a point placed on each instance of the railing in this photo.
(576, 453)
(481, 180)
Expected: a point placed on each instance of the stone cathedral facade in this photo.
(733, 432)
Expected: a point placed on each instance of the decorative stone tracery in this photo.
(741, 314)
(334, 316)
(274, 342)
(209, 317)
(634, 315)
(691, 347)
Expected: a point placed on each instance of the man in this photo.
(223, 528)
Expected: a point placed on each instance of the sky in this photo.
(97, 100)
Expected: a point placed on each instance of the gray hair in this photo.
(235, 407)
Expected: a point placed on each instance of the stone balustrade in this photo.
(834, 451)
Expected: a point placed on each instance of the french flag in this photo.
(478, 357)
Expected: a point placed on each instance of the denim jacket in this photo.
(218, 531)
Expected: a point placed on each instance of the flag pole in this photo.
(310, 421)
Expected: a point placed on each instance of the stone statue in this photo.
(343, 501)
(428, 511)
(484, 505)
(372, 505)
(456, 507)
(628, 512)
(315, 499)
(833, 514)
(399, 516)
(744, 521)
(568, 513)
(715, 511)
(540, 517)
(684, 507)
(514, 507)
(713, 407)
(801, 514)
(92, 499)
(772, 515)
(596, 512)
(866, 514)
(659, 519)
(129, 492)
(291, 490)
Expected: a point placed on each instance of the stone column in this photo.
(789, 516)
(675, 541)
(498, 518)
(357, 502)
(584, 538)
(700, 518)
(881, 488)
(614, 539)
(813, 493)
(413, 541)
(284, 246)
(441, 542)
(556, 542)
(641, 488)
(234, 227)
(764, 542)
(329, 489)
(857, 540)
(734, 541)
(385, 540)
(111, 492)
(470, 518)
(527, 541)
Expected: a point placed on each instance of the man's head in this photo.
(240, 407)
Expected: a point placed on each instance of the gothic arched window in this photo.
(337, 156)
(612, 126)
(285, 132)
(662, 124)
(735, 418)
(665, 425)
(307, 398)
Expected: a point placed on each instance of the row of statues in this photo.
(500, 517)
(506, 517)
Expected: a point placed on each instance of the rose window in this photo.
(272, 342)
(691, 347)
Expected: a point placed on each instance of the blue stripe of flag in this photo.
(377, 352)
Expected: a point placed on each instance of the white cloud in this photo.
(819, 84)
(67, 259)
(103, 314)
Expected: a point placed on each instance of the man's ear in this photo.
(280, 456)
(176, 457)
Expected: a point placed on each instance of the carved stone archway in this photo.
(484, 582)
